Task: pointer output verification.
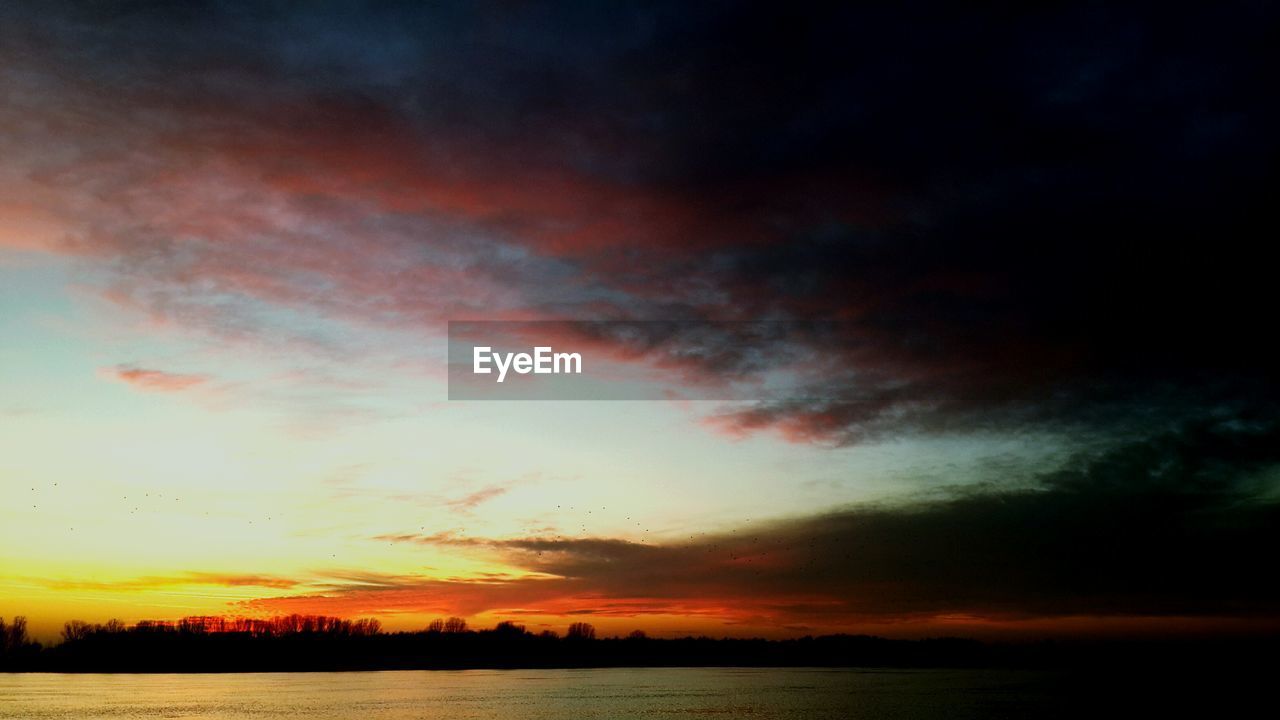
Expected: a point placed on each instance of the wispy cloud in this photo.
(472, 500)
(164, 581)
(1174, 526)
(154, 380)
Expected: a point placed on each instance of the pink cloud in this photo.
(154, 380)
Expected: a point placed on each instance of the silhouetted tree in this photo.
(16, 647)
(581, 631)
(455, 626)
(73, 630)
(436, 626)
(14, 635)
(508, 628)
(638, 635)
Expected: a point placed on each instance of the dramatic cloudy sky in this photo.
(1041, 398)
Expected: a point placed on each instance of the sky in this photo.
(232, 237)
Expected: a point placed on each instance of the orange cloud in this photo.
(191, 578)
(155, 380)
(470, 501)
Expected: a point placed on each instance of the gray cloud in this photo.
(1180, 525)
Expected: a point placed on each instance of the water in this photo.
(784, 694)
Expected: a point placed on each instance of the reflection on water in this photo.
(518, 694)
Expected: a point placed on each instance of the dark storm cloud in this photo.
(1184, 524)
(1075, 211)
(1048, 213)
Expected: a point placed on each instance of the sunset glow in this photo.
(230, 247)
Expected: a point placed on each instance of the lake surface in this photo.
(789, 694)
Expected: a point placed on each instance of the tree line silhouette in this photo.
(314, 643)
(311, 642)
